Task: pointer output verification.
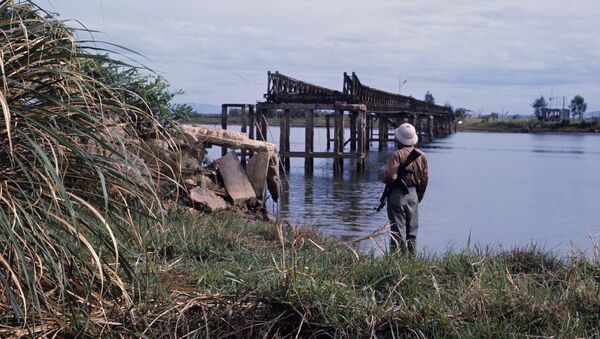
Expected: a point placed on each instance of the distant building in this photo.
(555, 114)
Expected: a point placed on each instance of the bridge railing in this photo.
(282, 88)
(378, 100)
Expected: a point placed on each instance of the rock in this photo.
(235, 179)
(270, 218)
(189, 164)
(256, 169)
(273, 181)
(190, 182)
(207, 200)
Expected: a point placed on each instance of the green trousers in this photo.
(403, 212)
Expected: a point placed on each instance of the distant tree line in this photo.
(577, 106)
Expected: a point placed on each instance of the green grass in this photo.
(221, 275)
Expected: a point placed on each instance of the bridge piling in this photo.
(244, 129)
(430, 128)
(382, 135)
(309, 131)
(224, 109)
(338, 142)
(353, 117)
(287, 139)
(362, 140)
(369, 131)
(328, 128)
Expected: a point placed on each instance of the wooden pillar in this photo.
(309, 131)
(382, 132)
(286, 117)
(251, 124)
(369, 131)
(282, 137)
(353, 131)
(244, 129)
(338, 142)
(430, 128)
(223, 126)
(362, 141)
(417, 124)
(327, 128)
(262, 131)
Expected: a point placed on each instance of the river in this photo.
(496, 190)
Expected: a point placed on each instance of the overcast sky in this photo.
(482, 55)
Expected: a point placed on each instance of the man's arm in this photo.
(423, 180)
(391, 172)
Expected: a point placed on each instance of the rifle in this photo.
(399, 182)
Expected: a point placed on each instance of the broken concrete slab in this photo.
(273, 181)
(256, 169)
(207, 199)
(235, 179)
(231, 139)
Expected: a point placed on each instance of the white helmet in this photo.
(406, 134)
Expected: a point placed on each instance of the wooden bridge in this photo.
(364, 106)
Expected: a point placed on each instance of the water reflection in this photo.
(499, 189)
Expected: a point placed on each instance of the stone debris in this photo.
(231, 139)
(256, 169)
(273, 181)
(245, 187)
(190, 164)
(235, 179)
(207, 199)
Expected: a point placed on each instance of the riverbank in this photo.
(223, 274)
(528, 126)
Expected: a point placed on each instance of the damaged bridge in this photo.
(362, 106)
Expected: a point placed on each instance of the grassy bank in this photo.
(526, 126)
(222, 275)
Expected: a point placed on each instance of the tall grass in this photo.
(71, 178)
(223, 276)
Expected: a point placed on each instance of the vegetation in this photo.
(72, 178)
(538, 104)
(223, 275)
(515, 124)
(578, 106)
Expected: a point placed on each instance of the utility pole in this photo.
(400, 83)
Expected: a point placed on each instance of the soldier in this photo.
(403, 207)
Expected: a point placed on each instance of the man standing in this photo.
(403, 209)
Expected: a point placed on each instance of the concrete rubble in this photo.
(206, 199)
(235, 179)
(245, 187)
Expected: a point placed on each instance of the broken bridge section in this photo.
(361, 106)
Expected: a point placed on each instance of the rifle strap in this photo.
(412, 156)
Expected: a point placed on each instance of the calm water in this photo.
(502, 190)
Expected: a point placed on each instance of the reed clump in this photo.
(72, 179)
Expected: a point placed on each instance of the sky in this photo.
(487, 56)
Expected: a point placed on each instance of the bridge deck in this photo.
(366, 106)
